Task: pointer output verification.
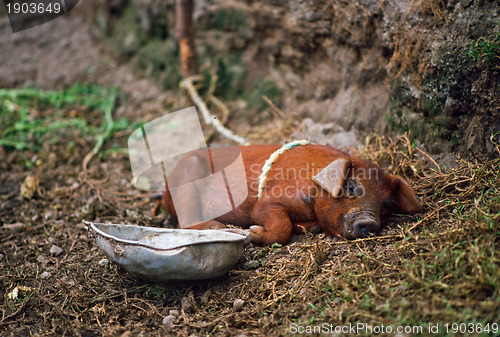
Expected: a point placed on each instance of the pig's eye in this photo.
(350, 187)
(354, 189)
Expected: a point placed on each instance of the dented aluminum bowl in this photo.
(171, 254)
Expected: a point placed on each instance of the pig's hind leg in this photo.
(182, 186)
(275, 225)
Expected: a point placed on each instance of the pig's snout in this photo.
(365, 228)
(360, 224)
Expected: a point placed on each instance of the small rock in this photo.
(26, 57)
(251, 265)
(104, 262)
(465, 3)
(241, 335)
(238, 304)
(43, 260)
(29, 186)
(68, 282)
(56, 250)
(328, 134)
(175, 313)
(45, 275)
(168, 320)
(19, 292)
(48, 215)
(14, 227)
(206, 296)
(188, 303)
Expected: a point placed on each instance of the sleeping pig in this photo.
(295, 188)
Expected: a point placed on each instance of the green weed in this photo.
(231, 73)
(266, 88)
(160, 59)
(32, 119)
(230, 19)
(486, 51)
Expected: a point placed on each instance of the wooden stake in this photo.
(185, 36)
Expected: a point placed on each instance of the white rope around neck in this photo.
(269, 162)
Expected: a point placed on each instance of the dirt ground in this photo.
(439, 266)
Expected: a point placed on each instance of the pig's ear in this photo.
(332, 177)
(404, 195)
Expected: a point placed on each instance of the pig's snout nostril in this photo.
(365, 228)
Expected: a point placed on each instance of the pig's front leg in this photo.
(209, 224)
(275, 225)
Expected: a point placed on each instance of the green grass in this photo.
(266, 87)
(231, 73)
(486, 51)
(230, 19)
(128, 34)
(33, 119)
(160, 59)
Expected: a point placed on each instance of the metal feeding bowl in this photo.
(171, 254)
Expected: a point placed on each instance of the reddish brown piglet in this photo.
(302, 187)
